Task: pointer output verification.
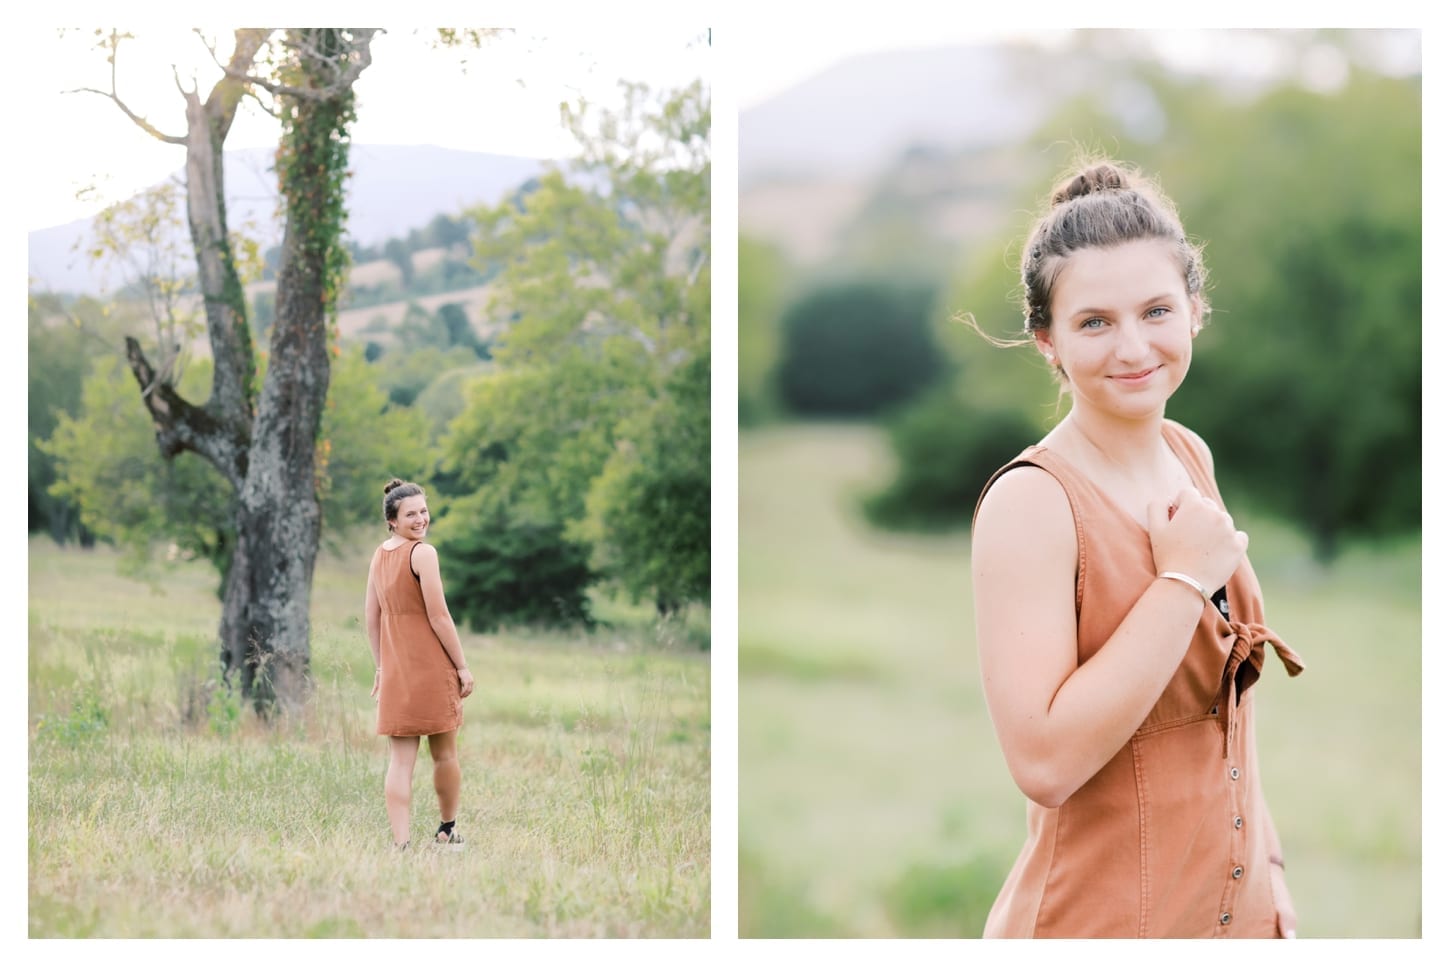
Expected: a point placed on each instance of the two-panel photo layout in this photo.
(387, 577)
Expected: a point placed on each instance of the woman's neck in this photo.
(1129, 444)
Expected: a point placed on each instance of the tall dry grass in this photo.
(159, 807)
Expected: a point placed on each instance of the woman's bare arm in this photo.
(1059, 723)
(425, 564)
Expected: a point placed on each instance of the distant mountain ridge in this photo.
(854, 117)
(393, 189)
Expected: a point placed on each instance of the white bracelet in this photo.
(1203, 591)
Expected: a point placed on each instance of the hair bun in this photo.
(1099, 177)
(391, 485)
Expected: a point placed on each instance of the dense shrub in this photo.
(856, 348)
(944, 453)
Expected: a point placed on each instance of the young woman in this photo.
(1119, 624)
(421, 676)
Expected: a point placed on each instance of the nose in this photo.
(1132, 342)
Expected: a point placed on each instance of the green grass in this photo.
(159, 807)
(874, 800)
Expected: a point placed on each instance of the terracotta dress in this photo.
(1172, 837)
(418, 693)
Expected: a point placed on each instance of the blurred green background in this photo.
(874, 800)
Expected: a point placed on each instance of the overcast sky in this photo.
(501, 99)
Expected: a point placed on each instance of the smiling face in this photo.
(412, 520)
(1122, 327)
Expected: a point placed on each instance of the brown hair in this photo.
(394, 493)
(1102, 205)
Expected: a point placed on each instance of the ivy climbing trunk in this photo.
(279, 516)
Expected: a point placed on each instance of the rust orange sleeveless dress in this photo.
(418, 692)
(1170, 838)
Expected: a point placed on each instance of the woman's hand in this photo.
(1195, 537)
(377, 680)
(1283, 903)
(465, 682)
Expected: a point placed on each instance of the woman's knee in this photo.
(443, 747)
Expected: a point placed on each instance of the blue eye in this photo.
(1096, 322)
(1158, 312)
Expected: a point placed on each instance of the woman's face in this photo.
(412, 519)
(1122, 327)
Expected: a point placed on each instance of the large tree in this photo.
(263, 439)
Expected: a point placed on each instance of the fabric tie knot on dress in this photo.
(1244, 665)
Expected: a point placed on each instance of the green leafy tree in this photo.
(406, 372)
(649, 510)
(447, 394)
(445, 231)
(609, 291)
(397, 252)
(1308, 381)
(857, 348)
(127, 493)
(764, 279)
(454, 319)
(63, 344)
(365, 441)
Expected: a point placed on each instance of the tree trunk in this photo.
(279, 517)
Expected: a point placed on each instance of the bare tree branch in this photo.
(145, 125)
(139, 121)
(225, 98)
(181, 425)
(357, 56)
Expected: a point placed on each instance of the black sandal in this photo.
(447, 837)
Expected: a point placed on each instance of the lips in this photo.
(1136, 377)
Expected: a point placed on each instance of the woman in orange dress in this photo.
(421, 677)
(1119, 624)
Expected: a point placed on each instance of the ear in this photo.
(1195, 313)
(1044, 344)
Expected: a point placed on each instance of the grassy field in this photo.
(874, 801)
(158, 808)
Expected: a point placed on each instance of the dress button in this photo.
(1234, 773)
(1238, 822)
(1238, 872)
(1225, 918)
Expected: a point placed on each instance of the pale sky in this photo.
(505, 103)
(792, 52)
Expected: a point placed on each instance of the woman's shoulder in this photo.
(1024, 501)
(1191, 440)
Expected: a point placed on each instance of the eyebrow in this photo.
(1090, 310)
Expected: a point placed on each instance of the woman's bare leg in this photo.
(447, 776)
(398, 786)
